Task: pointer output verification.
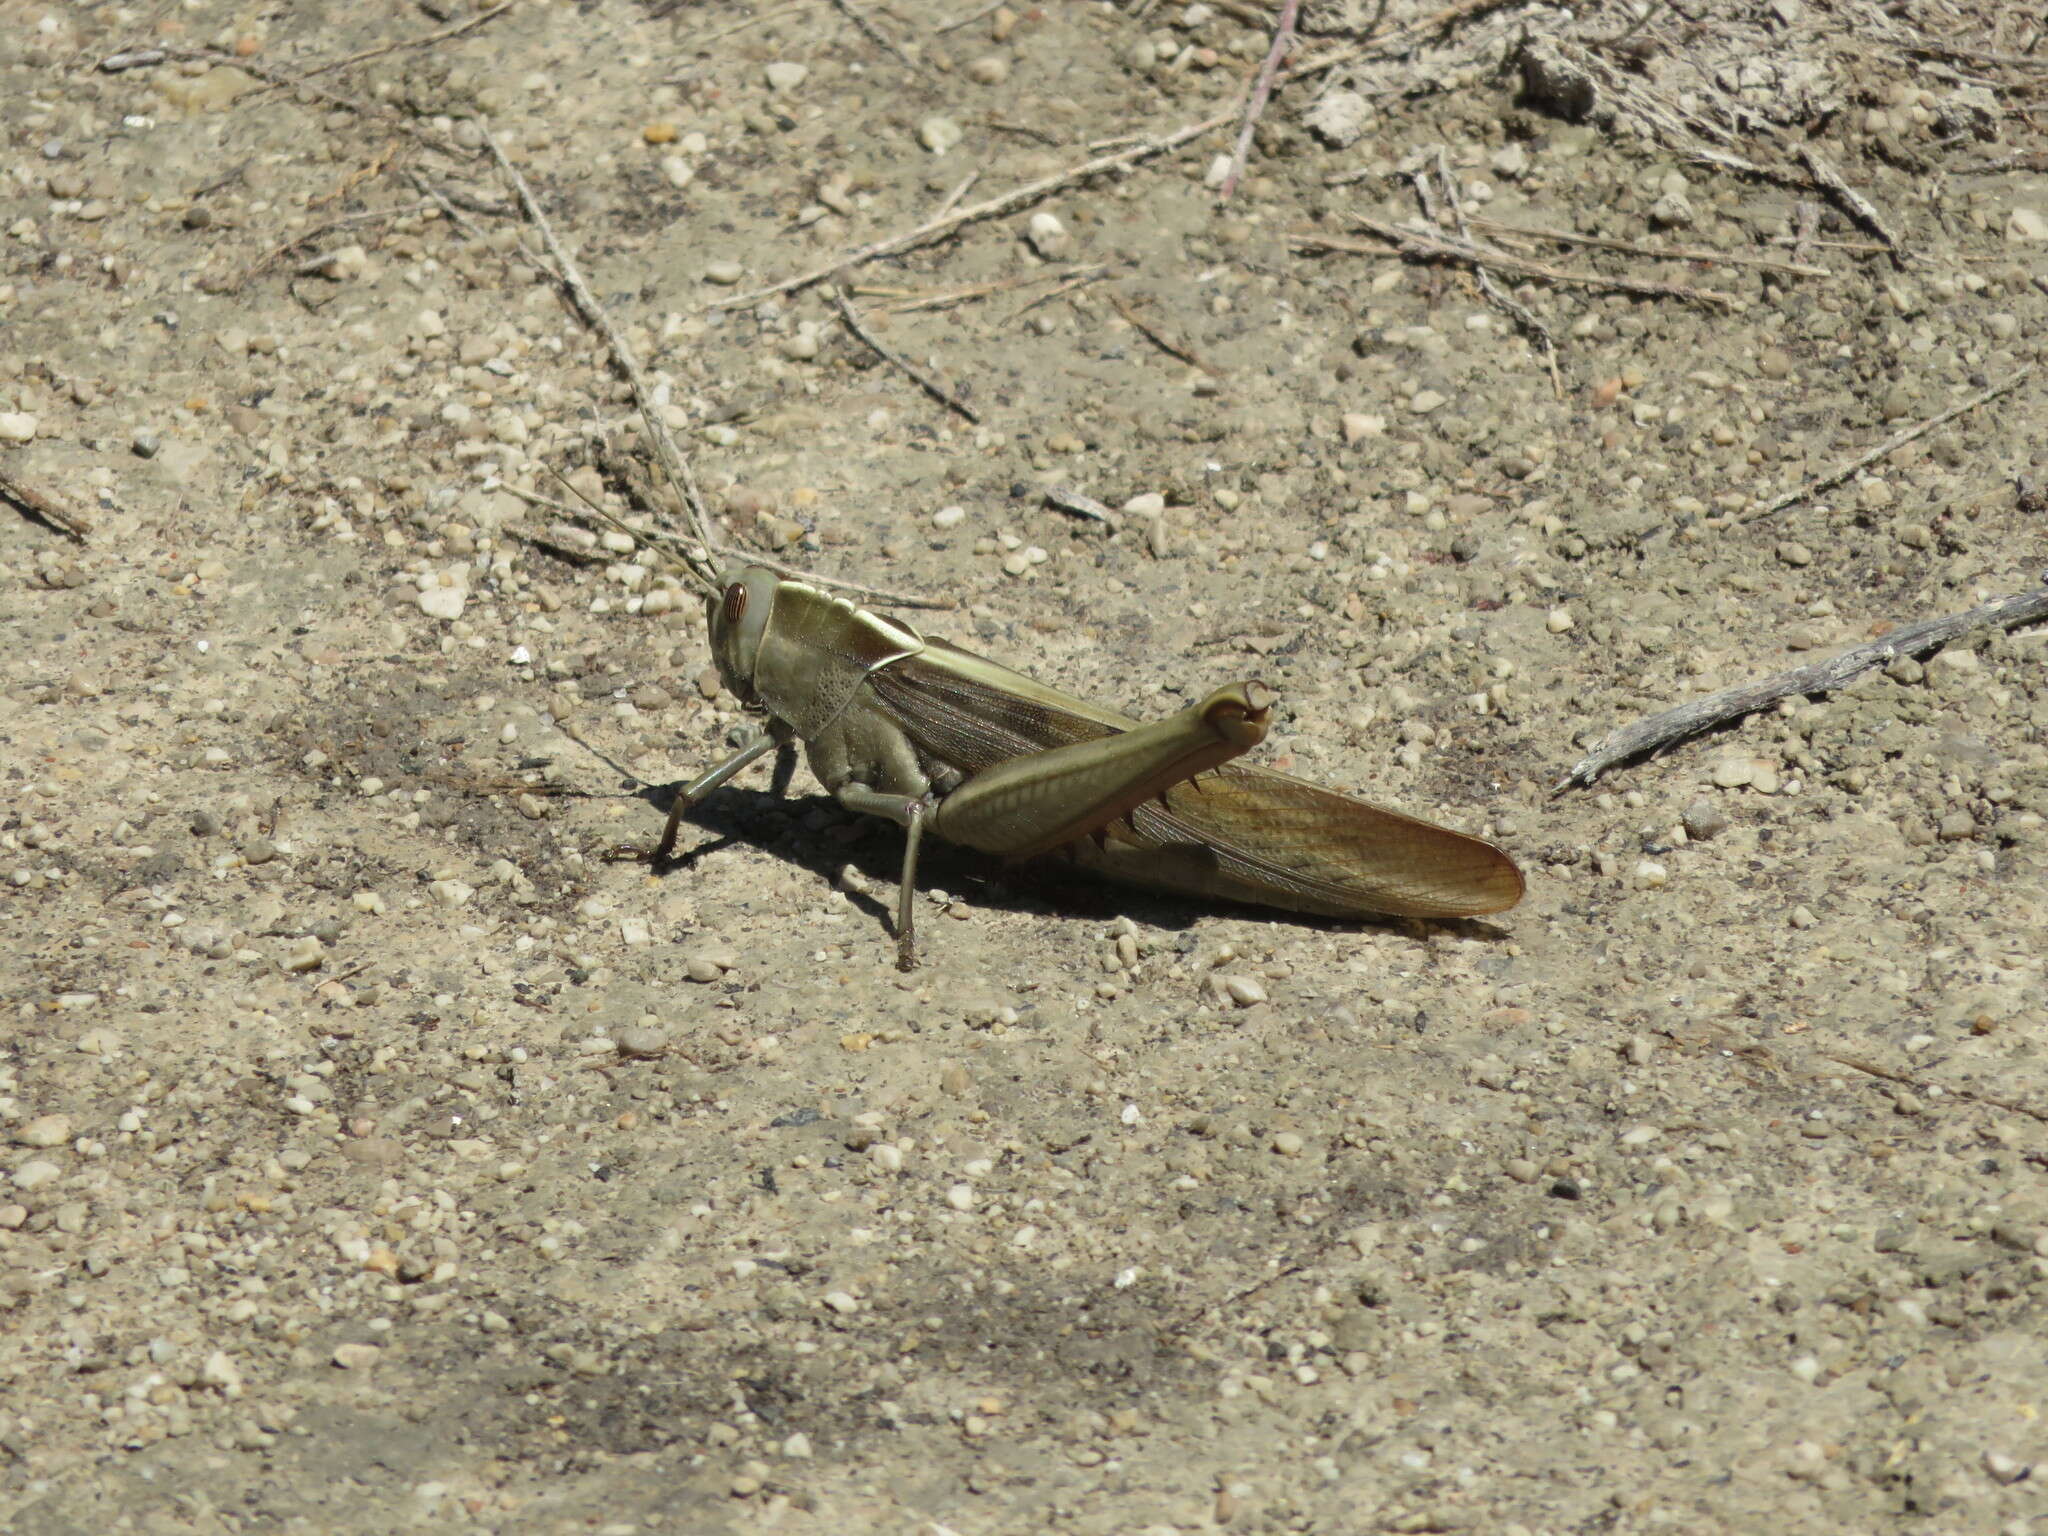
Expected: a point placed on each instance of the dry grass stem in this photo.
(1416, 244)
(1262, 89)
(1159, 339)
(995, 207)
(1897, 440)
(673, 464)
(903, 365)
(1655, 252)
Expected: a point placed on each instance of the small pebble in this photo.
(2026, 224)
(44, 1131)
(1732, 770)
(644, 1041)
(443, 602)
(1048, 236)
(1243, 990)
(35, 1173)
(707, 965)
(1704, 820)
(2004, 1468)
(374, 1151)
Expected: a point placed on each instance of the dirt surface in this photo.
(376, 1154)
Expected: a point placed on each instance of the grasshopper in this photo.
(908, 727)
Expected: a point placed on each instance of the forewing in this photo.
(1283, 840)
(973, 713)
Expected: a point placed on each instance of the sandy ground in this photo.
(376, 1154)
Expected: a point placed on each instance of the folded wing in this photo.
(1237, 834)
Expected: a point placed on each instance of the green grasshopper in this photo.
(935, 738)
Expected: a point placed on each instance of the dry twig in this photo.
(1080, 279)
(1859, 207)
(922, 380)
(1415, 243)
(1667, 727)
(969, 19)
(1512, 307)
(424, 40)
(673, 464)
(875, 34)
(285, 80)
(1660, 253)
(995, 207)
(1262, 88)
(1897, 440)
(952, 198)
(1877, 1069)
(1160, 339)
(903, 301)
(44, 507)
(1066, 500)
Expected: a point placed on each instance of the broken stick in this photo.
(44, 508)
(1656, 732)
(1416, 244)
(1262, 88)
(994, 207)
(903, 365)
(1897, 440)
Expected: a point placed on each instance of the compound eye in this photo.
(735, 602)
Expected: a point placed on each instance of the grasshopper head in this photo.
(738, 616)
